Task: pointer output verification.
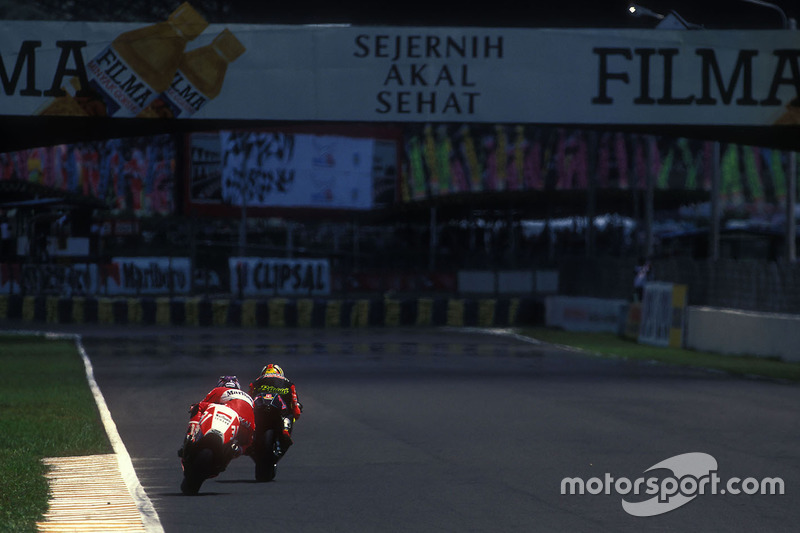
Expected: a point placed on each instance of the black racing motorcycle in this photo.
(266, 449)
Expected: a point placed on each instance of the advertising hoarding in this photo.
(408, 74)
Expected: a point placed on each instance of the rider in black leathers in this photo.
(270, 383)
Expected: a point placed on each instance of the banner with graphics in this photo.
(256, 276)
(134, 174)
(403, 74)
(284, 169)
(146, 275)
(267, 169)
(444, 159)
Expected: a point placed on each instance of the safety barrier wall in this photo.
(730, 331)
(735, 332)
(707, 329)
(715, 330)
(273, 312)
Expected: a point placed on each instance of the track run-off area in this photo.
(451, 430)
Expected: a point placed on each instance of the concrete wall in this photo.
(734, 332)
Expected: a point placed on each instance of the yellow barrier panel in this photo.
(359, 315)
(391, 314)
(219, 310)
(51, 309)
(305, 311)
(79, 310)
(192, 309)
(163, 315)
(105, 311)
(455, 313)
(135, 312)
(424, 311)
(277, 312)
(486, 313)
(28, 308)
(333, 314)
(249, 318)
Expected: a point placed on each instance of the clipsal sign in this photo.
(490, 75)
(255, 276)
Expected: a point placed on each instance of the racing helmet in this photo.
(271, 369)
(231, 382)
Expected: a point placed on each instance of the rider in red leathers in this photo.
(229, 393)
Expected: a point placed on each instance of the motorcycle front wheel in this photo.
(198, 472)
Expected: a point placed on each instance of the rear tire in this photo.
(200, 470)
(266, 463)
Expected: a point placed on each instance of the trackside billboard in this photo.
(386, 74)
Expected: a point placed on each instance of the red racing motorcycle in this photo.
(209, 446)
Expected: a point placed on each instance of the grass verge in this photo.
(46, 410)
(611, 345)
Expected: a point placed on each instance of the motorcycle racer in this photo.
(273, 382)
(228, 392)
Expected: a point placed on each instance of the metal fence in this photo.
(748, 285)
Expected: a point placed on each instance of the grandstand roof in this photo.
(711, 14)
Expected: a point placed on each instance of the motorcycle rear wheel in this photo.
(266, 462)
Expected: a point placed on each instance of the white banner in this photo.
(256, 276)
(295, 170)
(393, 74)
(575, 313)
(79, 279)
(148, 275)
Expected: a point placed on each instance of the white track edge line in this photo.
(497, 332)
(150, 520)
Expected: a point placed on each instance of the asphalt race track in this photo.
(440, 430)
